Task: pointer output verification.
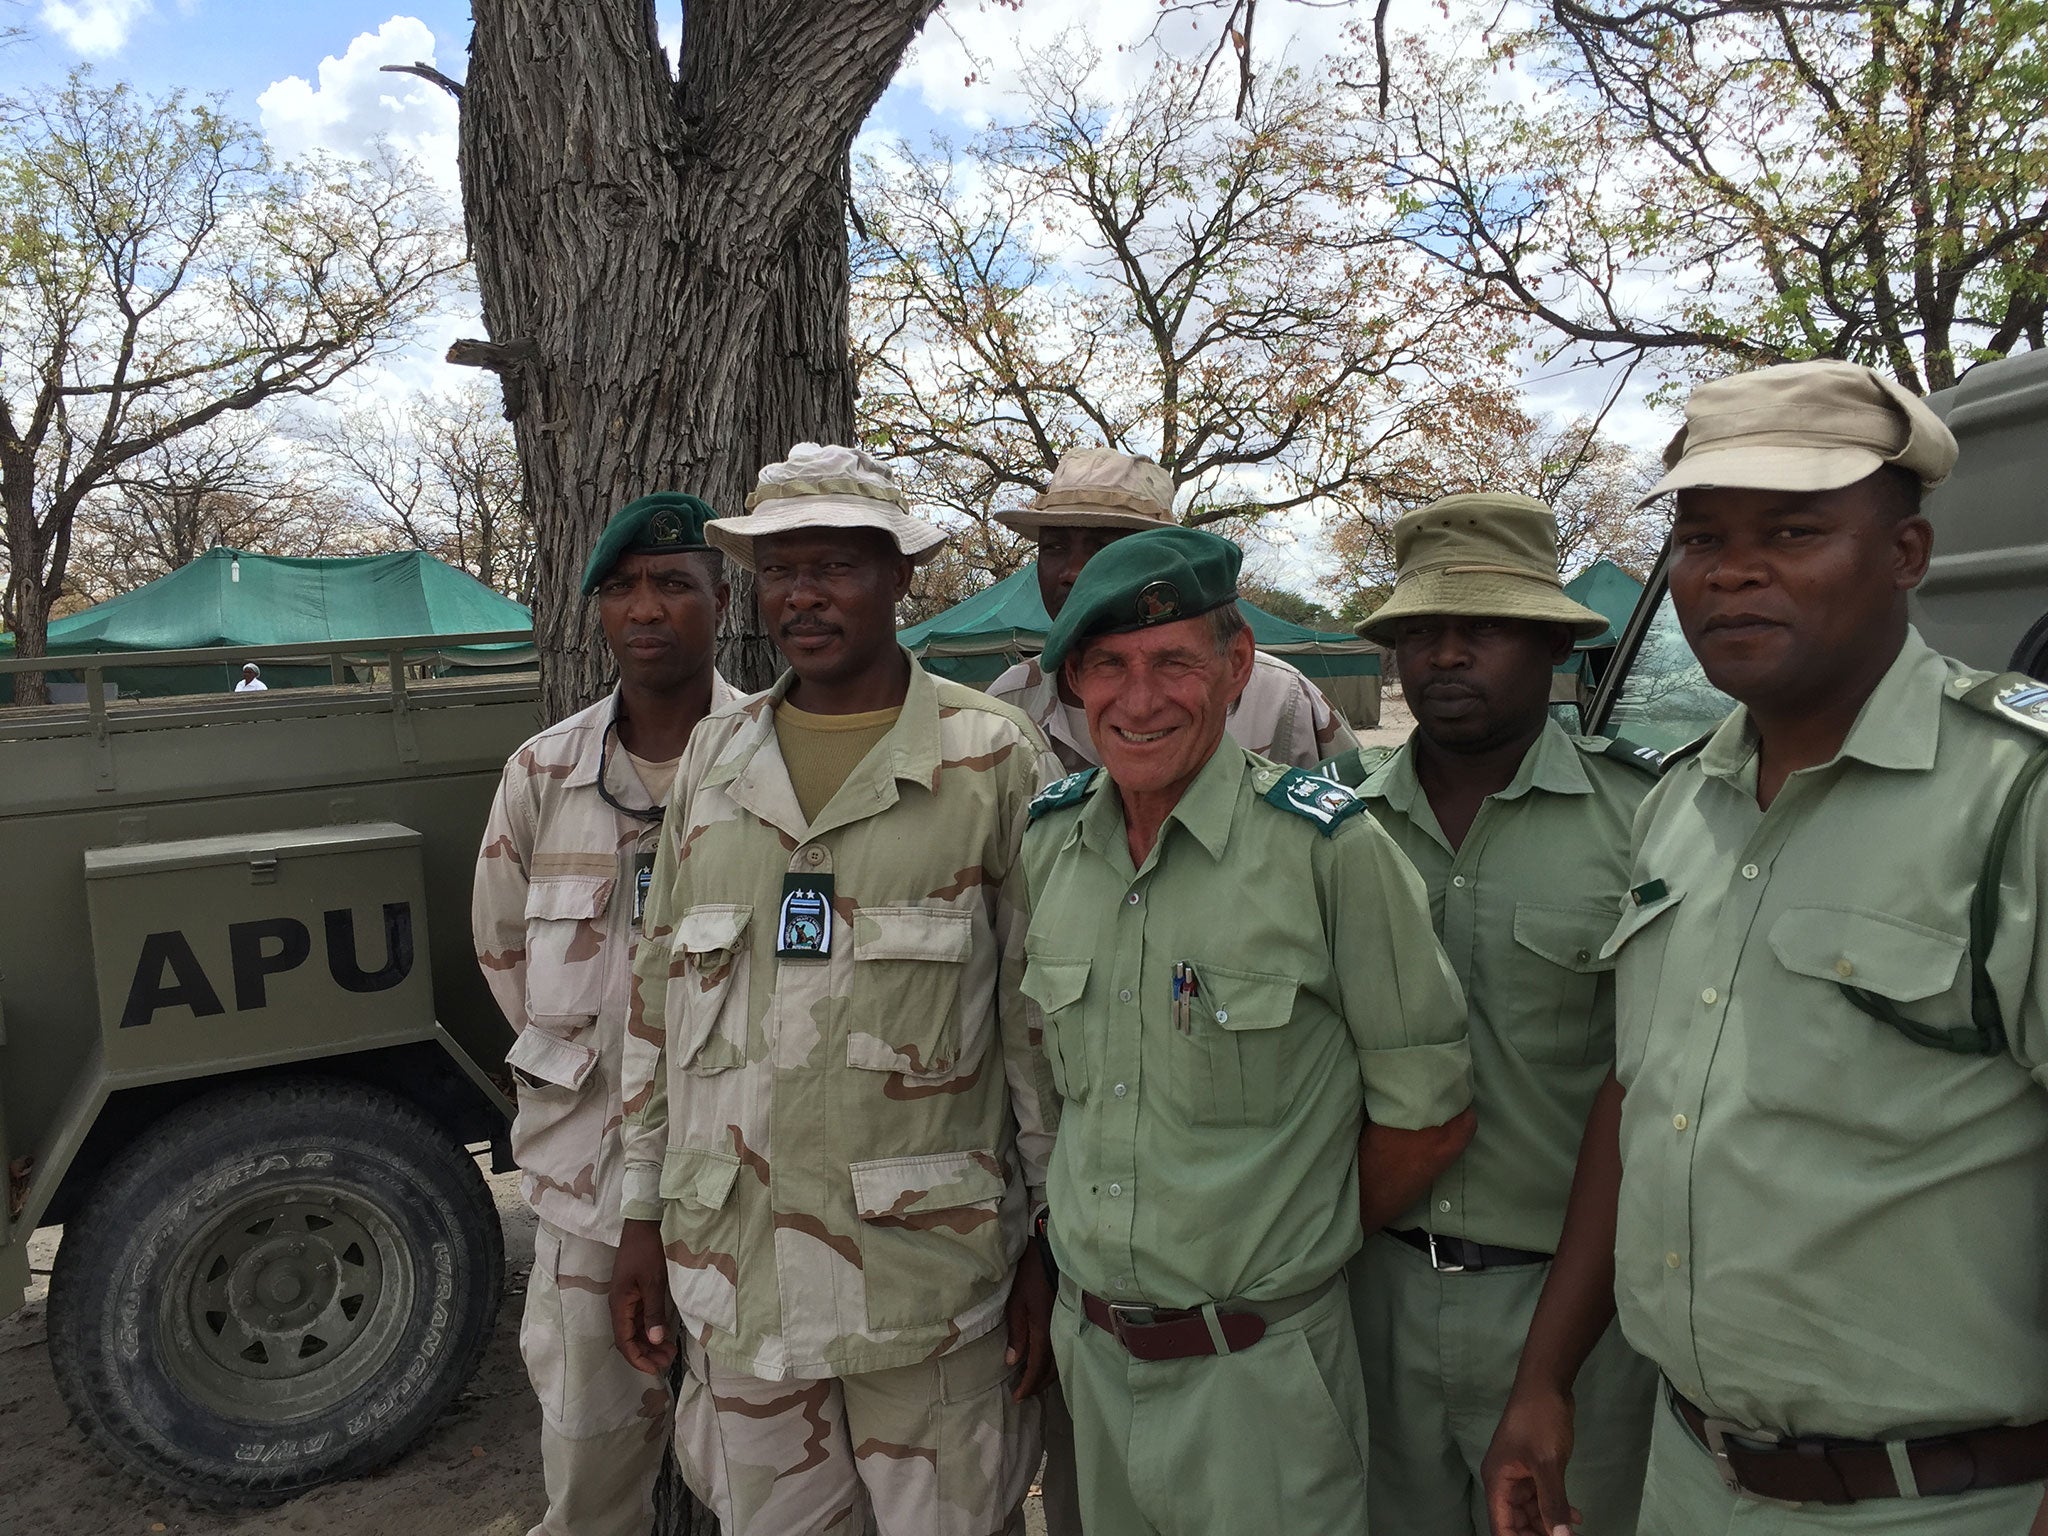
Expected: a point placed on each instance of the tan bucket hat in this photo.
(1098, 488)
(1803, 427)
(820, 486)
(1489, 555)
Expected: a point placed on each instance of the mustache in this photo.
(807, 627)
(1450, 686)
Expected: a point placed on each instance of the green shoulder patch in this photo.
(1645, 760)
(1061, 793)
(1353, 768)
(2009, 696)
(1312, 797)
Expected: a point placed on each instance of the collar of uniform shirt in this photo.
(1898, 726)
(1206, 808)
(1551, 764)
(913, 741)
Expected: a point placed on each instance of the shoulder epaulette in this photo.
(1645, 760)
(2009, 696)
(1353, 768)
(1309, 796)
(1061, 793)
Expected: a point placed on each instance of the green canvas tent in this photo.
(976, 640)
(1610, 592)
(233, 597)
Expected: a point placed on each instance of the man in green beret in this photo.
(1252, 1027)
(1521, 834)
(1096, 497)
(558, 897)
(1817, 1182)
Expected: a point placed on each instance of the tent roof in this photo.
(1610, 592)
(232, 597)
(1010, 617)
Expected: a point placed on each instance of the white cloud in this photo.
(356, 103)
(94, 26)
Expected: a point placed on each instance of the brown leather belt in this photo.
(1180, 1333)
(1818, 1469)
(1459, 1255)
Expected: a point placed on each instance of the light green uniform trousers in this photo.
(1685, 1497)
(603, 1425)
(1439, 1353)
(1270, 1438)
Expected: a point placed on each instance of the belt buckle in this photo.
(1131, 1314)
(1716, 1433)
(1439, 1265)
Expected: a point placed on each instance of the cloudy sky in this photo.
(308, 72)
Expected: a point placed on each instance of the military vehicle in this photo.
(1985, 599)
(247, 1060)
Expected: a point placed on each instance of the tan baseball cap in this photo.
(1803, 427)
(1484, 556)
(820, 486)
(1098, 488)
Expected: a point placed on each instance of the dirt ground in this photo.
(1395, 721)
(476, 1474)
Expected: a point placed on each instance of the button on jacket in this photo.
(551, 915)
(1826, 1227)
(1219, 1160)
(1523, 908)
(841, 1150)
(1281, 715)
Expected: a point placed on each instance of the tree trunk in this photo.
(28, 608)
(668, 261)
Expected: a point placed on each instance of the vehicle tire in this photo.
(276, 1286)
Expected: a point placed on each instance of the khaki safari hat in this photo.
(1803, 427)
(824, 487)
(1098, 488)
(1489, 556)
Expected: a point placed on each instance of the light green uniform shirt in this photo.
(1826, 1228)
(1218, 1161)
(1523, 909)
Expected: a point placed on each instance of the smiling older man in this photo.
(1236, 970)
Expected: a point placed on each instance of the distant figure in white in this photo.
(252, 680)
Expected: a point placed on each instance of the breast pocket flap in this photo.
(913, 933)
(1634, 919)
(1243, 1000)
(579, 897)
(1054, 984)
(706, 930)
(1572, 937)
(549, 1058)
(1898, 960)
(901, 1190)
(699, 1176)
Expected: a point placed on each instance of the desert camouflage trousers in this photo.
(603, 1425)
(936, 1449)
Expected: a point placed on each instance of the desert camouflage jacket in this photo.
(842, 1149)
(552, 920)
(1281, 715)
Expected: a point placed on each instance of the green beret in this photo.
(666, 523)
(1148, 578)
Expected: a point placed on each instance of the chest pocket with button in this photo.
(1636, 947)
(903, 1014)
(562, 1113)
(1231, 1065)
(1554, 993)
(708, 989)
(1057, 986)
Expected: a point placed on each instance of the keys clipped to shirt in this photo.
(1187, 987)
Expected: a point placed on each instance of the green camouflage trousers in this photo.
(1270, 1438)
(1439, 1353)
(935, 1449)
(1684, 1497)
(602, 1423)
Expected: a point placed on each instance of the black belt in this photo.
(1456, 1255)
(1819, 1469)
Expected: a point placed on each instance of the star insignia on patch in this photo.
(1311, 796)
(2027, 700)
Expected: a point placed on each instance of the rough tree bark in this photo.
(663, 261)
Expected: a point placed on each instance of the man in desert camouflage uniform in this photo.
(838, 1113)
(1096, 497)
(557, 887)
